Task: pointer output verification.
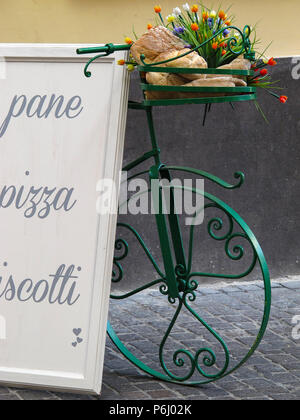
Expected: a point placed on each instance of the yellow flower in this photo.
(128, 41)
(170, 18)
(130, 67)
(157, 9)
(213, 14)
(195, 8)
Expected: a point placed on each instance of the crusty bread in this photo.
(155, 42)
(237, 64)
(160, 44)
(164, 79)
(217, 82)
(225, 81)
(191, 60)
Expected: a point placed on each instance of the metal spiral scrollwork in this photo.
(184, 365)
(215, 226)
(120, 245)
(209, 359)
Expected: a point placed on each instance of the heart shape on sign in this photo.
(74, 344)
(77, 331)
(79, 340)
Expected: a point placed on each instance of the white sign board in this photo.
(60, 134)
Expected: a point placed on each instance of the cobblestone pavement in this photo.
(273, 373)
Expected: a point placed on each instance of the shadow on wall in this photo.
(239, 140)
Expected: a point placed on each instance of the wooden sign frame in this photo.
(38, 344)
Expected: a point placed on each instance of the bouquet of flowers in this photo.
(212, 35)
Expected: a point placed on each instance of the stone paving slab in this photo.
(273, 373)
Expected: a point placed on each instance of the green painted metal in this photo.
(174, 222)
(185, 70)
(213, 178)
(172, 284)
(177, 279)
(208, 100)
(188, 295)
(104, 51)
(198, 89)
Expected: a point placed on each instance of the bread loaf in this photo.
(211, 82)
(191, 60)
(165, 79)
(160, 44)
(155, 42)
(237, 64)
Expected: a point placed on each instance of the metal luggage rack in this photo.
(177, 280)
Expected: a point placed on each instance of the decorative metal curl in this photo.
(120, 245)
(209, 360)
(237, 249)
(217, 224)
(164, 290)
(110, 49)
(117, 276)
(180, 270)
(236, 254)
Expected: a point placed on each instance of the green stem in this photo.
(273, 94)
(161, 18)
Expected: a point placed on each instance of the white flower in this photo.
(186, 7)
(177, 11)
(213, 14)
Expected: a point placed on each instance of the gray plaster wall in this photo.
(239, 140)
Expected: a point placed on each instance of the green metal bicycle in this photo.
(178, 279)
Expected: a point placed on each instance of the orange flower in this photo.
(222, 15)
(195, 8)
(283, 99)
(215, 46)
(205, 15)
(263, 72)
(149, 26)
(223, 52)
(121, 62)
(128, 41)
(194, 27)
(228, 23)
(222, 45)
(272, 62)
(157, 9)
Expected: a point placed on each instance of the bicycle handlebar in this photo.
(107, 49)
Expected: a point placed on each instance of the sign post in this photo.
(60, 133)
